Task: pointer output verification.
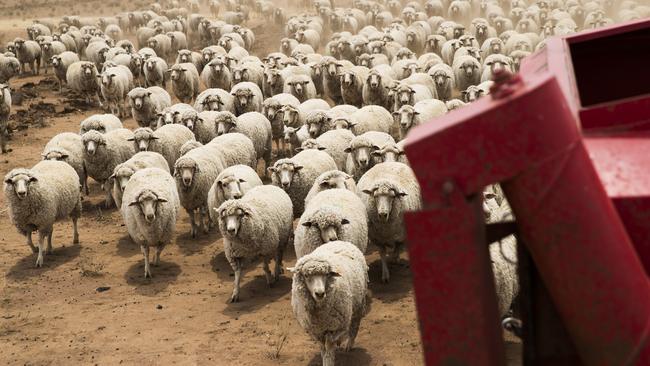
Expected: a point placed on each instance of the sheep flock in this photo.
(300, 149)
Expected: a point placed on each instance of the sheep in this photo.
(296, 117)
(388, 190)
(259, 224)
(38, 197)
(161, 44)
(150, 209)
(330, 296)
(248, 97)
(444, 80)
(352, 82)
(116, 82)
(474, 92)
(467, 71)
(368, 118)
(454, 104)
(421, 112)
(308, 36)
(173, 114)
(147, 103)
(215, 99)
(359, 152)
(391, 152)
(155, 72)
(101, 123)
(333, 214)
(194, 173)
(185, 82)
(5, 111)
(28, 53)
(248, 71)
(235, 149)
(330, 180)
(294, 137)
(254, 125)
(49, 49)
(67, 147)
(9, 68)
(123, 171)
(232, 183)
(166, 140)
(422, 79)
(185, 55)
(82, 78)
(103, 152)
(216, 74)
(178, 42)
(300, 86)
(271, 108)
(189, 145)
(60, 64)
(297, 175)
(333, 142)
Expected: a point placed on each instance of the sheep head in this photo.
(225, 122)
(284, 171)
(142, 138)
(233, 215)
(92, 141)
(327, 222)
(361, 149)
(147, 201)
(317, 276)
(384, 194)
(19, 181)
(185, 169)
(230, 187)
(388, 153)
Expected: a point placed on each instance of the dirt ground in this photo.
(59, 315)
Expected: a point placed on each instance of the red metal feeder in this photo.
(586, 295)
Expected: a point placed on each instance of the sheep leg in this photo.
(352, 335)
(193, 230)
(145, 253)
(385, 275)
(328, 352)
(236, 266)
(22, 68)
(49, 243)
(278, 264)
(30, 242)
(156, 260)
(41, 244)
(394, 257)
(109, 199)
(75, 231)
(205, 221)
(267, 272)
(38, 66)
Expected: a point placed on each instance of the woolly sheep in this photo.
(296, 117)
(215, 100)
(150, 210)
(123, 171)
(297, 175)
(101, 123)
(248, 71)
(333, 214)
(38, 197)
(162, 45)
(155, 72)
(82, 78)
(272, 109)
(49, 49)
(9, 68)
(234, 149)
(423, 111)
(61, 63)
(116, 82)
(330, 180)
(410, 94)
(444, 79)
(254, 125)
(493, 63)
(28, 53)
(368, 118)
(103, 152)
(300, 86)
(334, 143)
(391, 152)
(166, 140)
(173, 114)
(147, 103)
(467, 71)
(474, 92)
(194, 173)
(359, 152)
(294, 137)
(388, 190)
(248, 97)
(216, 74)
(352, 82)
(190, 145)
(67, 147)
(185, 55)
(260, 224)
(375, 89)
(232, 183)
(5, 111)
(330, 296)
(185, 82)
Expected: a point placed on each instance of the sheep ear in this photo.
(292, 269)
(134, 202)
(271, 169)
(321, 148)
(299, 149)
(345, 222)
(130, 139)
(348, 150)
(242, 180)
(306, 224)
(402, 194)
(297, 167)
(376, 153)
(33, 179)
(334, 274)
(367, 191)
(160, 199)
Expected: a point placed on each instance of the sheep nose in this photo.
(21, 194)
(363, 161)
(383, 216)
(319, 294)
(232, 231)
(150, 217)
(237, 196)
(187, 181)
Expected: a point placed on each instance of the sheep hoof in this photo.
(234, 299)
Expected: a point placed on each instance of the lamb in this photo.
(359, 159)
(194, 173)
(333, 142)
(155, 72)
(185, 82)
(444, 79)
(421, 112)
(215, 100)
(330, 180)
(253, 125)
(38, 197)
(257, 225)
(101, 123)
(116, 82)
(330, 296)
(82, 78)
(352, 82)
(216, 74)
(271, 108)
(67, 147)
(61, 63)
(5, 111)
(150, 210)
(232, 183)
(388, 190)
(333, 214)
(28, 53)
(248, 97)
(166, 140)
(123, 172)
(300, 86)
(147, 103)
(103, 152)
(297, 175)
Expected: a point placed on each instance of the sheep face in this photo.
(122, 175)
(384, 197)
(184, 170)
(285, 172)
(212, 103)
(347, 79)
(230, 187)
(404, 95)
(226, 124)
(177, 72)
(239, 74)
(88, 70)
(298, 87)
(469, 68)
(188, 119)
(374, 80)
(184, 56)
(107, 79)
(19, 183)
(405, 115)
(243, 97)
(318, 277)
(232, 218)
(388, 153)
(289, 133)
(472, 93)
(332, 68)
(440, 78)
(142, 138)
(361, 153)
(147, 201)
(93, 142)
(342, 123)
(289, 114)
(137, 100)
(151, 64)
(327, 224)
(336, 180)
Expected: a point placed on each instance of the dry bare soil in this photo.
(55, 315)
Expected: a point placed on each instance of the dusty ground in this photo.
(56, 315)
